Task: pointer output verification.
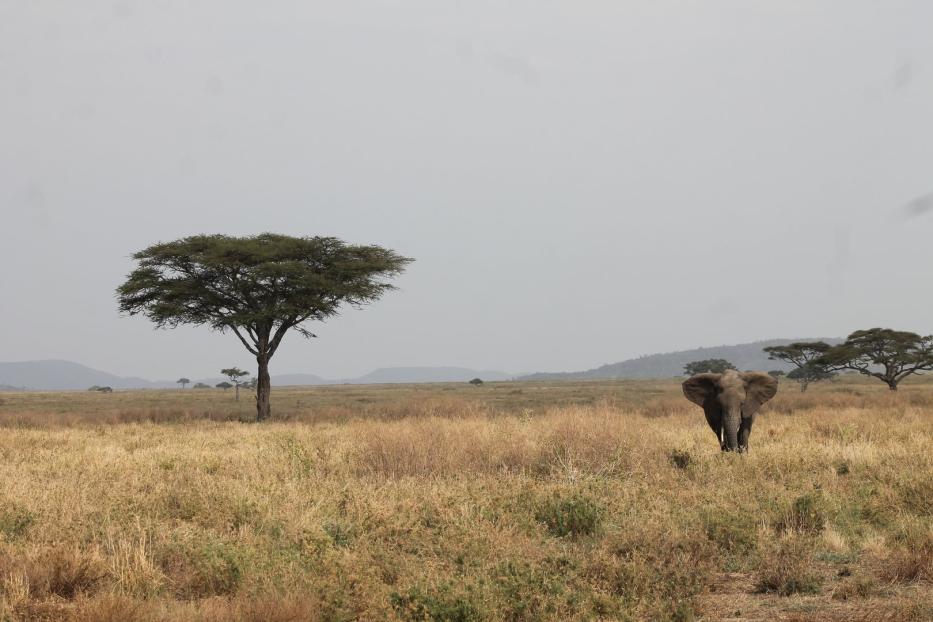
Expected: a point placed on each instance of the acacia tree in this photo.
(803, 356)
(223, 385)
(882, 353)
(707, 366)
(234, 374)
(257, 287)
(182, 382)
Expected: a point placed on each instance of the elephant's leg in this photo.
(744, 430)
(714, 419)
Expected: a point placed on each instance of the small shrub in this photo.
(201, 569)
(442, 605)
(341, 535)
(65, 573)
(733, 532)
(917, 496)
(530, 592)
(806, 515)
(785, 570)
(680, 458)
(907, 566)
(858, 587)
(654, 571)
(573, 516)
(14, 521)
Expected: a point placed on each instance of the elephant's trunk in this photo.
(730, 425)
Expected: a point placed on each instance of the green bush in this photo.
(442, 605)
(15, 521)
(572, 516)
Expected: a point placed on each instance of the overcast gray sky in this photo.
(580, 181)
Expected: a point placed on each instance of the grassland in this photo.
(508, 501)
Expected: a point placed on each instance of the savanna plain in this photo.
(507, 501)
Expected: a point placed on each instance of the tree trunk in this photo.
(892, 384)
(263, 388)
(237, 392)
(803, 386)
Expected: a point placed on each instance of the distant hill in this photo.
(63, 375)
(743, 356)
(298, 380)
(387, 375)
(54, 375)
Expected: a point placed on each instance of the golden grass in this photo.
(508, 501)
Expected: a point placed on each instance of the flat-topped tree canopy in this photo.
(259, 287)
(883, 353)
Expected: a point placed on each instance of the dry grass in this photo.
(508, 501)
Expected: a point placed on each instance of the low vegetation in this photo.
(503, 501)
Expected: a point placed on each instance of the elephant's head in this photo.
(731, 400)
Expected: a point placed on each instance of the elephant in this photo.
(730, 401)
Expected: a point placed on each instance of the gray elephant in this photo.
(730, 401)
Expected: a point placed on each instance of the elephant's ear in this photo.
(759, 388)
(701, 387)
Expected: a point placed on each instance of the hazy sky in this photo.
(580, 182)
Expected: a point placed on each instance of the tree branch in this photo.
(245, 343)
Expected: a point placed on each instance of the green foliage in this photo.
(14, 521)
(810, 373)
(881, 353)
(804, 356)
(201, 385)
(224, 385)
(530, 591)
(234, 374)
(476, 381)
(440, 605)
(259, 287)
(341, 534)
(183, 382)
(708, 366)
(260, 282)
(573, 516)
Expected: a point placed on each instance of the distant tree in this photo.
(882, 353)
(223, 385)
(258, 287)
(234, 374)
(105, 389)
(810, 373)
(776, 373)
(182, 382)
(201, 385)
(94, 388)
(249, 384)
(476, 382)
(708, 366)
(803, 355)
